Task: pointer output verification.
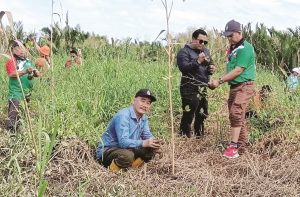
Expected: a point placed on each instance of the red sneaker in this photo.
(231, 152)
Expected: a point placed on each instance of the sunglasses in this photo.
(202, 41)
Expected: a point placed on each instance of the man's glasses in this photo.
(202, 42)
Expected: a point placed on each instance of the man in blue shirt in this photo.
(292, 81)
(128, 142)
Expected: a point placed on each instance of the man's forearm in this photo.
(20, 73)
(129, 143)
(232, 75)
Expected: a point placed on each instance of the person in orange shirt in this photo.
(43, 62)
(45, 53)
(258, 101)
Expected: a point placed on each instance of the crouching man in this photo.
(128, 141)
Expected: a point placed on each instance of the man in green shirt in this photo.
(240, 75)
(22, 66)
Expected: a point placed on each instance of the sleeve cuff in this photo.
(140, 143)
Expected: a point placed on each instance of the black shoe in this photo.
(183, 134)
(199, 135)
(188, 134)
(11, 131)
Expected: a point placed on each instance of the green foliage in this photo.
(278, 110)
(74, 36)
(88, 96)
(275, 49)
(42, 188)
(57, 35)
(18, 27)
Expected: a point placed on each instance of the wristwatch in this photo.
(221, 80)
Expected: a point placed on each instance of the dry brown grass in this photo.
(200, 171)
(17, 165)
(270, 167)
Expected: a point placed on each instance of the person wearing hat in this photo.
(258, 101)
(45, 52)
(75, 58)
(43, 62)
(292, 81)
(24, 67)
(128, 141)
(240, 75)
(196, 65)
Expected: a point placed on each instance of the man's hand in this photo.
(29, 70)
(213, 84)
(36, 73)
(212, 68)
(201, 58)
(152, 143)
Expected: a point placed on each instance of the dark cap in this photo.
(146, 93)
(73, 50)
(16, 43)
(231, 27)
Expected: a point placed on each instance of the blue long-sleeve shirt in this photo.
(292, 82)
(125, 131)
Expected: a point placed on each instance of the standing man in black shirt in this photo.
(196, 65)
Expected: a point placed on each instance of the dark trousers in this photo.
(125, 157)
(12, 121)
(193, 105)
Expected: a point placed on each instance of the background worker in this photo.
(43, 62)
(292, 81)
(24, 67)
(75, 58)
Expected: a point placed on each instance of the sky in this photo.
(144, 19)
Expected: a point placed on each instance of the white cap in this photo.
(297, 70)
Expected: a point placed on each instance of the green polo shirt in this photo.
(14, 90)
(242, 56)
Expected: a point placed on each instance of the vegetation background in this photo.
(70, 109)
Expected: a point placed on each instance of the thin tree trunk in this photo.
(170, 57)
